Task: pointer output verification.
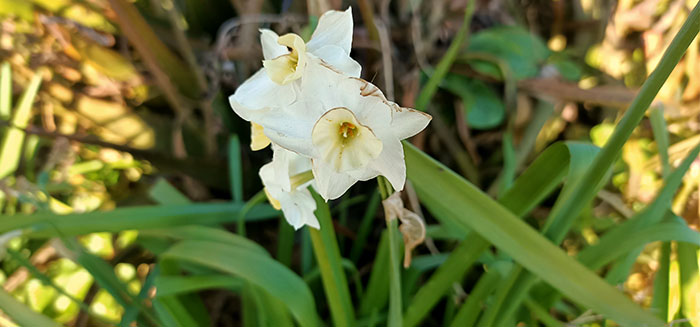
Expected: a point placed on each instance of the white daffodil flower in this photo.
(286, 180)
(287, 59)
(349, 130)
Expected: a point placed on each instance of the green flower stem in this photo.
(335, 285)
(395, 307)
(258, 198)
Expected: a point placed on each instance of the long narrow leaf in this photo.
(469, 311)
(469, 208)
(690, 282)
(235, 169)
(22, 314)
(257, 269)
(599, 256)
(454, 268)
(659, 303)
(142, 217)
(376, 293)
(565, 159)
(651, 214)
(14, 136)
(5, 91)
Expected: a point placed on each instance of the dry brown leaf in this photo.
(412, 225)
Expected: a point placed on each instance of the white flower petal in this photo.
(406, 122)
(271, 49)
(364, 174)
(339, 59)
(301, 210)
(329, 183)
(298, 206)
(259, 93)
(289, 129)
(287, 164)
(366, 101)
(390, 162)
(334, 27)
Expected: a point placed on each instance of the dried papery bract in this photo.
(412, 225)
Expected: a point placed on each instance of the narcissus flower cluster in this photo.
(328, 127)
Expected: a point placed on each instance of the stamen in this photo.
(347, 130)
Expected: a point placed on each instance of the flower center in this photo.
(287, 68)
(347, 130)
(343, 142)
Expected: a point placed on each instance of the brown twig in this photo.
(387, 65)
(551, 88)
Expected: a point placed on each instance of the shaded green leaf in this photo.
(260, 270)
(483, 107)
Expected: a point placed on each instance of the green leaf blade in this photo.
(469, 208)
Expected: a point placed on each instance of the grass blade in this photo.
(174, 285)
(469, 208)
(22, 314)
(164, 193)
(537, 182)
(455, 267)
(599, 256)
(365, 227)
(690, 282)
(395, 307)
(376, 293)
(14, 136)
(235, 170)
(560, 220)
(659, 303)
(584, 192)
(46, 280)
(651, 214)
(658, 126)
(203, 233)
(139, 217)
(469, 312)
(260, 270)
(5, 91)
(285, 242)
(661, 293)
(104, 276)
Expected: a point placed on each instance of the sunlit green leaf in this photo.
(469, 208)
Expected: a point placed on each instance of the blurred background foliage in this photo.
(120, 103)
